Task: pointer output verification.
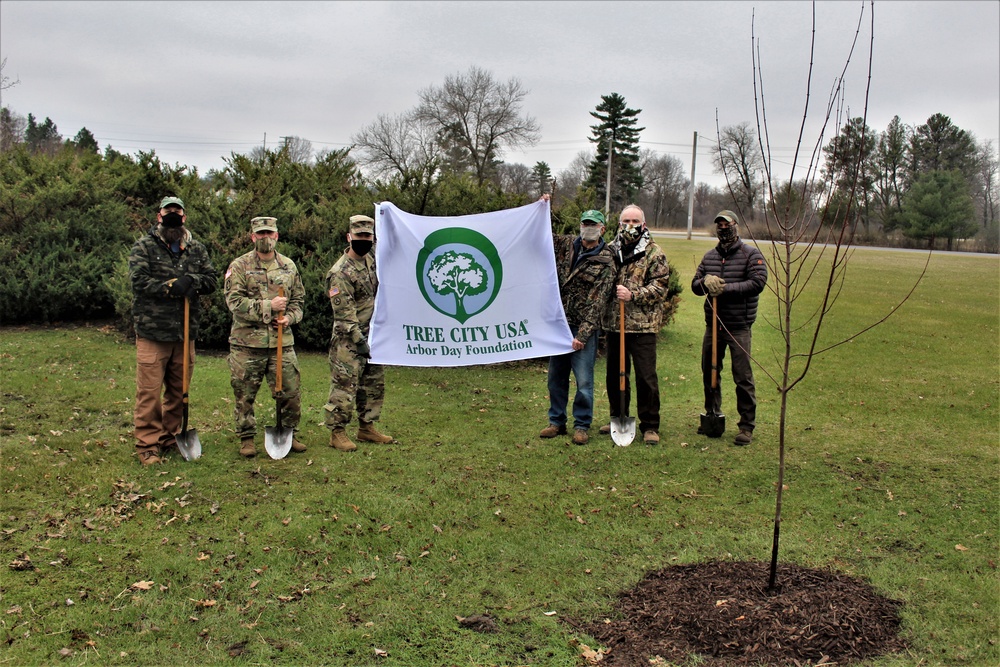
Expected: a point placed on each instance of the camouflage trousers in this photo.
(247, 368)
(354, 384)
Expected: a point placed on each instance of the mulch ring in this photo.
(722, 613)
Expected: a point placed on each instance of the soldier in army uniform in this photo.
(642, 283)
(252, 283)
(354, 382)
(165, 267)
(586, 277)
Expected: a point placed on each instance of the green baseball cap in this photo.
(171, 201)
(592, 216)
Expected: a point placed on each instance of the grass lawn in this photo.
(368, 558)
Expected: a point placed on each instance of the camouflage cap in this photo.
(362, 224)
(263, 224)
(728, 216)
(592, 216)
(171, 201)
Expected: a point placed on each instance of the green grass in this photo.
(324, 557)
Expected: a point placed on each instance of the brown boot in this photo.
(339, 440)
(297, 446)
(368, 433)
(247, 448)
(148, 457)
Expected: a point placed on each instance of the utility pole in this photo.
(694, 154)
(607, 193)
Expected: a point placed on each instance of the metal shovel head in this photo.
(277, 441)
(623, 430)
(713, 425)
(188, 444)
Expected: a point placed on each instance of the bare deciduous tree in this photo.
(479, 115)
(739, 158)
(399, 147)
(806, 257)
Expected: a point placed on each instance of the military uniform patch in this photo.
(334, 291)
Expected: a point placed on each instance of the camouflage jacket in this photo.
(152, 265)
(250, 286)
(586, 287)
(643, 269)
(351, 285)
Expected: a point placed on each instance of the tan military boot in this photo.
(247, 448)
(339, 440)
(367, 433)
(297, 446)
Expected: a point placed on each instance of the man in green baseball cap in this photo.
(585, 269)
(166, 267)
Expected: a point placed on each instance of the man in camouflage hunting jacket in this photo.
(642, 283)
(254, 286)
(355, 383)
(586, 278)
(166, 267)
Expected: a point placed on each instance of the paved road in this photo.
(705, 236)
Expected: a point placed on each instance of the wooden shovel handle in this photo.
(621, 345)
(281, 313)
(715, 330)
(186, 379)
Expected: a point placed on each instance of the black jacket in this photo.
(743, 268)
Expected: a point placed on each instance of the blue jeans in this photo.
(581, 363)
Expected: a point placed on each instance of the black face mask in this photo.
(361, 247)
(173, 219)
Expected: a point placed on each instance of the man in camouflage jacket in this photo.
(355, 383)
(586, 277)
(166, 267)
(254, 286)
(642, 283)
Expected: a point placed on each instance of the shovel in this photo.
(188, 443)
(278, 440)
(713, 424)
(622, 426)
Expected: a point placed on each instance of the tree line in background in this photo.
(70, 213)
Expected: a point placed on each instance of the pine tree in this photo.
(616, 129)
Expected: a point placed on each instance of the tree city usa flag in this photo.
(466, 290)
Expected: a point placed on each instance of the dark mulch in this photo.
(723, 613)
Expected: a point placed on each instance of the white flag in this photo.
(472, 289)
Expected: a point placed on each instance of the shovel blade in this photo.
(188, 444)
(277, 441)
(623, 430)
(713, 425)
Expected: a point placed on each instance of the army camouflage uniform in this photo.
(354, 383)
(159, 331)
(251, 283)
(586, 279)
(643, 269)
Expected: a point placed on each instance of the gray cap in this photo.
(728, 216)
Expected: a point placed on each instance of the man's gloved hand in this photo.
(183, 286)
(713, 285)
(362, 349)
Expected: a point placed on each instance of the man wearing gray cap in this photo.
(732, 274)
(263, 289)
(354, 382)
(166, 267)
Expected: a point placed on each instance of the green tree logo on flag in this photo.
(459, 272)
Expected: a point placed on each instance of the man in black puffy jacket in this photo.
(735, 273)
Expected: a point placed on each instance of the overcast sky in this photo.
(198, 80)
